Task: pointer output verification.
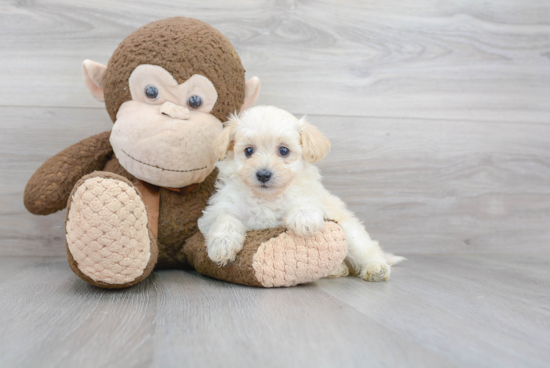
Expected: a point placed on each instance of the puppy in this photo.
(267, 180)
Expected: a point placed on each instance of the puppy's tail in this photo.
(392, 259)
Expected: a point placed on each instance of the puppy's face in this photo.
(269, 147)
(267, 161)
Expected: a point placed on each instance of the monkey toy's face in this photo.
(168, 87)
(164, 134)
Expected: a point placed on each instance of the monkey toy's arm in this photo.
(48, 189)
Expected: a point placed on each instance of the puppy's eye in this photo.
(283, 151)
(151, 92)
(194, 102)
(249, 151)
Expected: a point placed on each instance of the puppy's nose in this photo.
(263, 176)
(174, 111)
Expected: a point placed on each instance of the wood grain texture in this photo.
(420, 186)
(426, 59)
(439, 118)
(437, 186)
(29, 137)
(480, 310)
(437, 311)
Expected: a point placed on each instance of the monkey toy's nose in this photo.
(174, 111)
(263, 176)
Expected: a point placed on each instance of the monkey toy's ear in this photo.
(251, 93)
(94, 74)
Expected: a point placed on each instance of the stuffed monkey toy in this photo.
(134, 194)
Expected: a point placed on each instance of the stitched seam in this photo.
(158, 167)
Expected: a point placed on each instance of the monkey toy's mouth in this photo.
(162, 151)
(162, 168)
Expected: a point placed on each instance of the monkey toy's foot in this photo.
(288, 259)
(108, 240)
(274, 257)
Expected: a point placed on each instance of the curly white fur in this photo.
(294, 196)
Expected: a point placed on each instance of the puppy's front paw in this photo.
(377, 270)
(305, 222)
(223, 249)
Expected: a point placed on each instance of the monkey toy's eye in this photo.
(194, 102)
(249, 151)
(283, 151)
(151, 92)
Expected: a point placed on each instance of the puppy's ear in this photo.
(315, 146)
(225, 139)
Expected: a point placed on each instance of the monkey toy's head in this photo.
(168, 87)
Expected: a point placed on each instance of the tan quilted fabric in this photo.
(107, 231)
(288, 260)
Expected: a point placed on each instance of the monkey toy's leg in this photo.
(274, 257)
(110, 242)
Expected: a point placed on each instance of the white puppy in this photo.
(267, 180)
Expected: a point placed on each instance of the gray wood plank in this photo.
(484, 61)
(227, 325)
(438, 186)
(487, 311)
(438, 114)
(50, 318)
(29, 137)
(420, 186)
(470, 311)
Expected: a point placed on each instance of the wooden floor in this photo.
(439, 115)
(437, 311)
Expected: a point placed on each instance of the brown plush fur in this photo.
(48, 189)
(179, 214)
(182, 46)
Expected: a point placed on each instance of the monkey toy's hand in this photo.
(48, 189)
